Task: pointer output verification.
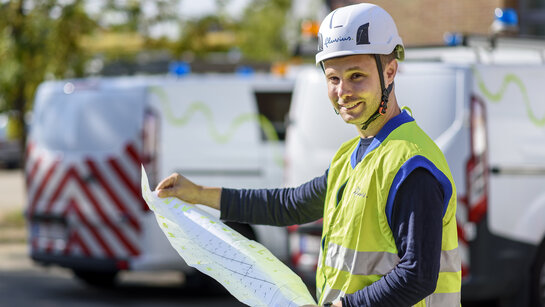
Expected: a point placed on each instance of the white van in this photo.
(485, 109)
(87, 140)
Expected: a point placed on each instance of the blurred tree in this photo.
(258, 34)
(38, 39)
(45, 39)
(202, 36)
(132, 20)
(261, 30)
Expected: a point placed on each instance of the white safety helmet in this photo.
(358, 29)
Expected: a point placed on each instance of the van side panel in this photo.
(315, 132)
(516, 138)
(203, 119)
(430, 91)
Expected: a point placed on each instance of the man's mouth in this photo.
(350, 106)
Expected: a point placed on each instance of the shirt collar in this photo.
(390, 126)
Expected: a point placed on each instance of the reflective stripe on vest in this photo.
(360, 263)
(379, 263)
(444, 299)
(332, 295)
(436, 299)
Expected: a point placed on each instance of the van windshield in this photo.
(87, 120)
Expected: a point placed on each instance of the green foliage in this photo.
(198, 35)
(258, 34)
(261, 30)
(41, 39)
(130, 16)
(67, 56)
(38, 39)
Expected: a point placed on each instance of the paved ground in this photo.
(12, 190)
(23, 283)
(12, 202)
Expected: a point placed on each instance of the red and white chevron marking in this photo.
(98, 198)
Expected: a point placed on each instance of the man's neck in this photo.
(374, 128)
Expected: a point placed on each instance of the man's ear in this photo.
(390, 72)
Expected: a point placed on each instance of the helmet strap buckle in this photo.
(383, 107)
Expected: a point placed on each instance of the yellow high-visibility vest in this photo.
(358, 246)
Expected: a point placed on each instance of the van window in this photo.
(274, 106)
(88, 120)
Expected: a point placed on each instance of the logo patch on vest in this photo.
(358, 192)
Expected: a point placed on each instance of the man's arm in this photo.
(417, 229)
(278, 207)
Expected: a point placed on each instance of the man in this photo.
(388, 200)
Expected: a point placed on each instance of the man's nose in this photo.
(344, 89)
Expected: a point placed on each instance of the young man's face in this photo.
(353, 86)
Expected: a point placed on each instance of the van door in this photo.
(82, 172)
(513, 96)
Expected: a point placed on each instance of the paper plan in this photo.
(249, 271)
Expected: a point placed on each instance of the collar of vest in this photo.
(390, 126)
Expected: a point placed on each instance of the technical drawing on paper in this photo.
(247, 269)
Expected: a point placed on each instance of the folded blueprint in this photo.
(249, 271)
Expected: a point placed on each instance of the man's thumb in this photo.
(162, 193)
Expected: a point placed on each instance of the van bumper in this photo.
(80, 263)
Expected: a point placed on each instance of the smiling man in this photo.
(396, 243)
(387, 200)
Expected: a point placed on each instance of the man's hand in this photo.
(180, 187)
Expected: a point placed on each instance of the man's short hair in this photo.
(385, 59)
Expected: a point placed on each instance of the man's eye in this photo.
(357, 76)
(334, 80)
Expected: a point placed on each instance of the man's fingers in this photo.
(167, 182)
(165, 193)
(167, 187)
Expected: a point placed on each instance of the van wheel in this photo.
(538, 279)
(96, 279)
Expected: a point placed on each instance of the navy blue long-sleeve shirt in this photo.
(416, 226)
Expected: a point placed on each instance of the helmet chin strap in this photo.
(384, 99)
